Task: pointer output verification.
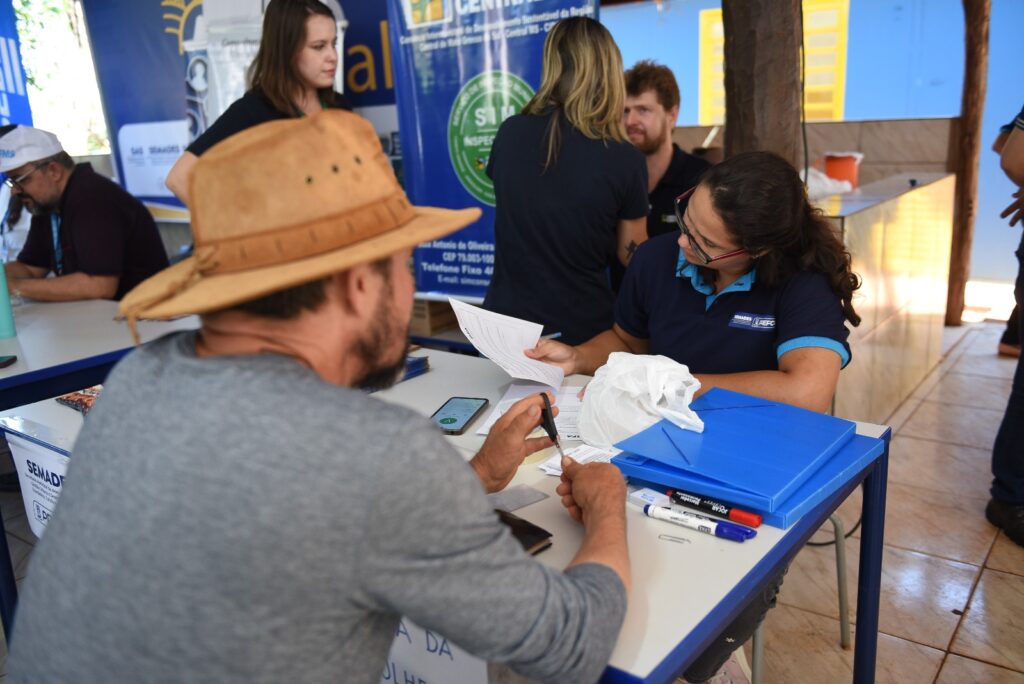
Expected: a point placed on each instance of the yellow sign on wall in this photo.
(826, 27)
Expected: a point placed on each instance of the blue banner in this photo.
(14, 107)
(156, 66)
(138, 49)
(461, 68)
(369, 78)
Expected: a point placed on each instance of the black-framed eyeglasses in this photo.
(704, 256)
(16, 182)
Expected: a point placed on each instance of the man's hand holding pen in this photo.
(508, 443)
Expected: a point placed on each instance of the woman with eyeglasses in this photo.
(571, 190)
(752, 295)
(291, 76)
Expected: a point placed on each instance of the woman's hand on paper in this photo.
(556, 353)
(508, 443)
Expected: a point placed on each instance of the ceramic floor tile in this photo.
(992, 628)
(953, 336)
(20, 552)
(952, 353)
(1006, 556)
(958, 670)
(979, 391)
(987, 363)
(19, 527)
(849, 514)
(960, 425)
(986, 338)
(940, 467)
(929, 382)
(922, 520)
(900, 416)
(11, 504)
(804, 647)
(919, 592)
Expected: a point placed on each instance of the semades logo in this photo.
(749, 321)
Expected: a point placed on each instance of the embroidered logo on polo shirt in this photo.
(751, 321)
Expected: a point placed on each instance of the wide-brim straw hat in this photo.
(284, 203)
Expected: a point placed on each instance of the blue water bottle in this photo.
(6, 314)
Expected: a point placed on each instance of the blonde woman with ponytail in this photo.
(571, 190)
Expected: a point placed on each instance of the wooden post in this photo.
(972, 103)
(762, 77)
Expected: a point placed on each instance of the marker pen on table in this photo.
(702, 503)
(693, 521)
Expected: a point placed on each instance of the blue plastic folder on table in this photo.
(753, 452)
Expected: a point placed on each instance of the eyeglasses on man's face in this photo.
(704, 256)
(13, 183)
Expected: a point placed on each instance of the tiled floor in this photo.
(952, 587)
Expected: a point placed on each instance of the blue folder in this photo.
(753, 452)
(847, 462)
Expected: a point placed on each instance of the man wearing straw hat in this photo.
(238, 510)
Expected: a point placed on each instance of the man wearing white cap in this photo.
(237, 510)
(97, 240)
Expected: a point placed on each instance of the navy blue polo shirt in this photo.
(745, 327)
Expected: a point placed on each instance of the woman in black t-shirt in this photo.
(292, 76)
(571, 190)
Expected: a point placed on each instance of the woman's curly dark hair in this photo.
(763, 203)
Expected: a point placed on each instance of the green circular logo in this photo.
(483, 103)
(446, 421)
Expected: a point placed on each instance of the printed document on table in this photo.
(566, 399)
(502, 339)
(584, 453)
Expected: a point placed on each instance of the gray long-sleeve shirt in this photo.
(237, 519)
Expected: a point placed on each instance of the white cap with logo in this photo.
(24, 144)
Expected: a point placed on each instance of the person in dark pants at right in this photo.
(1009, 342)
(1006, 508)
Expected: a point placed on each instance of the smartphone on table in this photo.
(457, 413)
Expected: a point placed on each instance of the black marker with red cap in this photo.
(702, 503)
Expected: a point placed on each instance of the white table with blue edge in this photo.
(62, 347)
(683, 594)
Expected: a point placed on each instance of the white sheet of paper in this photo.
(581, 454)
(567, 421)
(502, 339)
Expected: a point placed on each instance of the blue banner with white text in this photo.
(461, 68)
(14, 106)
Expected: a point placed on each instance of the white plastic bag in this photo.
(820, 186)
(632, 392)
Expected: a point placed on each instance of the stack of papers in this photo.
(580, 454)
(503, 340)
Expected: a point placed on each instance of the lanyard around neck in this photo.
(58, 252)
